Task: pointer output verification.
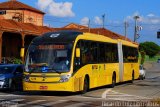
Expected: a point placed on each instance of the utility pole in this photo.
(103, 19)
(89, 25)
(136, 28)
(158, 34)
(125, 28)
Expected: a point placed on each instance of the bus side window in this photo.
(94, 52)
(101, 52)
(86, 52)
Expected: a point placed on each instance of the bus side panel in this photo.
(80, 75)
(107, 76)
(99, 75)
(136, 70)
(78, 83)
(128, 68)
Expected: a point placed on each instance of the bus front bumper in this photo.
(64, 86)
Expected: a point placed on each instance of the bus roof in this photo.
(128, 43)
(58, 37)
(96, 37)
(102, 38)
(67, 36)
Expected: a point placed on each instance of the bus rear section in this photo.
(128, 61)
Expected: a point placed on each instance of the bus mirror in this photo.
(77, 52)
(22, 52)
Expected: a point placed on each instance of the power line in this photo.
(105, 25)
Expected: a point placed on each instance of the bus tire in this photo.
(113, 80)
(132, 77)
(85, 86)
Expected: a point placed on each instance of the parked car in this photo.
(11, 76)
(142, 72)
(158, 60)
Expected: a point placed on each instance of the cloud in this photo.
(98, 20)
(84, 21)
(151, 19)
(61, 9)
(150, 15)
(148, 19)
(131, 17)
(149, 22)
(43, 4)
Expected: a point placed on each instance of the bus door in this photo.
(102, 65)
(94, 63)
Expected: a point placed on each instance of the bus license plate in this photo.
(43, 87)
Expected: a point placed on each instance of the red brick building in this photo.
(18, 26)
(20, 12)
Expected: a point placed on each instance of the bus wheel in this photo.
(85, 86)
(113, 80)
(132, 77)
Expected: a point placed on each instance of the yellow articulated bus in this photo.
(75, 61)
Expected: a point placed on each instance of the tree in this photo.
(142, 57)
(150, 48)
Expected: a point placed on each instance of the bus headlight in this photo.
(26, 78)
(65, 78)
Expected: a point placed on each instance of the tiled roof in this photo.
(27, 28)
(16, 5)
(101, 31)
(77, 26)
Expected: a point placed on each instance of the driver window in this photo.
(77, 61)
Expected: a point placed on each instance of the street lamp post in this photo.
(136, 30)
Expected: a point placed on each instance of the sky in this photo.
(90, 12)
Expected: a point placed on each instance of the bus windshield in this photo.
(48, 58)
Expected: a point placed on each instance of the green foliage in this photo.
(154, 59)
(11, 60)
(17, 61)
(150, 48)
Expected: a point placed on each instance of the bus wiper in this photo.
(32, 70)
(54, 70)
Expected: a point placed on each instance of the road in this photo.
(147, 89)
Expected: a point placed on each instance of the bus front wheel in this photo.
(85, 86)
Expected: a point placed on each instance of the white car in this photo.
(142, 72)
